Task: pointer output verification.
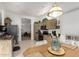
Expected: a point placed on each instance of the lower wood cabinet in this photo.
(5, 48)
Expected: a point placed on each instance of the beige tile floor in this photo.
(23, 45)
(27, 43)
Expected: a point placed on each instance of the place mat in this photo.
(59, 52)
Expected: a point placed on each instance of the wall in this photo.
(26, 25)
(32, 25)
(16, 20)
(70, 24)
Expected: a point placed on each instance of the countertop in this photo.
(6, 37)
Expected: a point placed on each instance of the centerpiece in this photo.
(55, 45)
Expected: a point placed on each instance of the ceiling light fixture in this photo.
(55, 11)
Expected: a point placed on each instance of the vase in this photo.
(56, 45)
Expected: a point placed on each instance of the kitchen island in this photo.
(6, 46)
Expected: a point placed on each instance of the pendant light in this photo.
(55, 11)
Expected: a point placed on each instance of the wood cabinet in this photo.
(50, 24)
(36, 28)
(5, 48)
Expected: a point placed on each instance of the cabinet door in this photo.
(5, 48)
(51, 24)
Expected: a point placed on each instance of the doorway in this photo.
(26, 29)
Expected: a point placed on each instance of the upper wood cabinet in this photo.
(50, 24)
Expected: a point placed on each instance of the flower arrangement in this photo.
(55, 41)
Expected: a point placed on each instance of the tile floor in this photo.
(23, 45)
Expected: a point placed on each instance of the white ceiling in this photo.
(35, 8)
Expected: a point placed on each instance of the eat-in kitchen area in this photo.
(39, 29)
(56, 31)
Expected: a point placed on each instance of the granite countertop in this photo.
(6, 37)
